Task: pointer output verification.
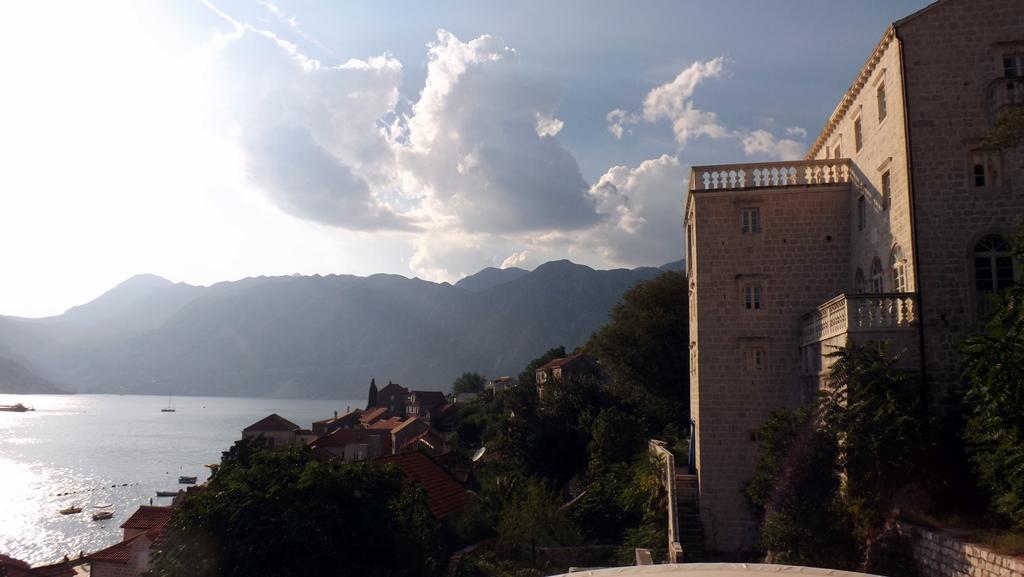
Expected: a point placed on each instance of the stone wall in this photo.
(941, 555)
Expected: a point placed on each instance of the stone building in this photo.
(894, 227)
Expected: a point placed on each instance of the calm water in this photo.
(87, 444)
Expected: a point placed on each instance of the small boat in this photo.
(169, 408)
(101, 515)
(166, 493)
(187, 480)
(16, 408)
(70, 510)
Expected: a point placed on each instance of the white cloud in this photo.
(516, 259)
(548, 125)
(618, 119)
(796, 131)
(672, 101)
(763, 145)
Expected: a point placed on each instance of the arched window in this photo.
(993, 267)
(859, 285)
(899, 270)
(877, 284)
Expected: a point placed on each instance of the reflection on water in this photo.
(86, 450)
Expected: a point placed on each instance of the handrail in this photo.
(658, 450)
(771, 174)
(858, 312)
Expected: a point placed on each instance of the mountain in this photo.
(314, 336)
(16, 379)
(490, 277)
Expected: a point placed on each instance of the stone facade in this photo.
(941, 555)
(871, 237)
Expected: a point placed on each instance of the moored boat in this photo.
(70, 510)
(15, 408)
(166, 493)
(101, 515)
(187, 480)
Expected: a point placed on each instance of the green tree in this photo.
(994, 363)
(536, 519)
(617, 438)
(469, 383)
(643, 350)
(876, 411)
(282, 513)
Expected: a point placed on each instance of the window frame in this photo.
(753, 297)
(1017, 67)
(898, 263)
(750, 222)
(881, 100)
(990, 161)
(886, 188)
(877, 276)
(858, 134)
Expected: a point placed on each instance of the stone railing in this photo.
(658, 451)
(848, 313)
(1003, 92)
(770, 174)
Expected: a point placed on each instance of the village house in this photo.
(131, 556)
(500, 384)
(446, 496)
(278, 431)
(350, 420)
(895, 227)
(576, 366)
(424, 404)
(351, 445)
(393, 397)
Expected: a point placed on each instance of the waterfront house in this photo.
(277, 431)
(349, 420)
(351, 445)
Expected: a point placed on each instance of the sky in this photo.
(215, 140)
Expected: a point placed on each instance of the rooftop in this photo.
(762, 175)
(445, 495)
(273, 422)
(555, 363)
(147, 517)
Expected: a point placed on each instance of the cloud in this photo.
(763, 145)
(672, 101)
(796, 131)
(516, 259)
(480, 144)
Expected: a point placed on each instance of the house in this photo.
(371, 416)
(277, 431)
(501, 384)
(349, 420)
(445, 418)
(424, 404)
(351, 445)
(393, 397)
(131, 556)
(407, 431)
(571, 367)
(446, 496)
(894, 227)
(428, 440)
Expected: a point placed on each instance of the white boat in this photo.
(70, 510)
(168, 408)
(101, 515)
(187, 480)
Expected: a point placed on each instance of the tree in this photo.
(282, 513)
(643, 350)
(617, 438)
(875, 409)
(995, 400)
(469, 383)
(372, 400)
(536, 519)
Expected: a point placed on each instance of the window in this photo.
(859, 284)
(752, 297)
(899, 270)
(985, 165)
(882, 105)
(862, 215)
(751, 220)
(1013, 67)
(858, 135)
(877, 283)
(886, 189)
(837, 152)
(755, 360)
(993, 265)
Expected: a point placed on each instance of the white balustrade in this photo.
(851, 313)
(770, 174)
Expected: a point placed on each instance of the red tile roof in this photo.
(14, 567)
(148, 517)
(373, 415)
(61, 569)
(406, 424)
(386, 424)
(555, 363)
(272, 422)
(350, 416)
(445, 495)
(116, 553)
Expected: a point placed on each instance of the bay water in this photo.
(89, 450)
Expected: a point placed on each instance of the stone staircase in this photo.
(691, 534)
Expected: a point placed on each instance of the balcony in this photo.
(1004, 92)
(862, 317)
(771, 174)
